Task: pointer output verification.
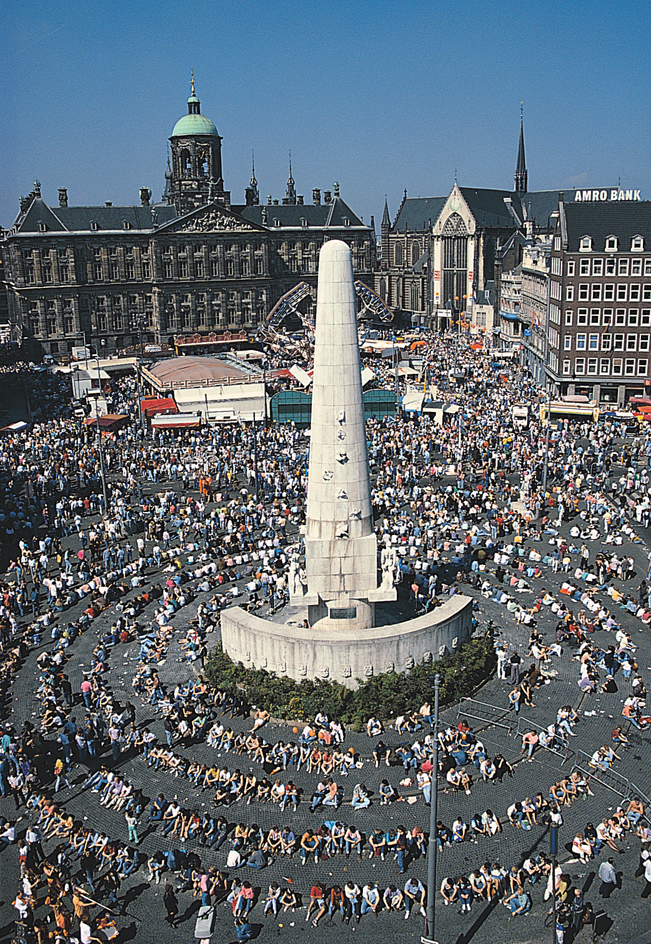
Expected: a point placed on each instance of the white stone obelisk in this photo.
(340, 541)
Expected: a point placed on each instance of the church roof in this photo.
(418, 213)
(488, 206)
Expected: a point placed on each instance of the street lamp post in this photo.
(255, 458)
(99, 445)
(432, 847)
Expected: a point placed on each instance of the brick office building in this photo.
(599, 327)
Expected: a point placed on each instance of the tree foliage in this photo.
(385, 696)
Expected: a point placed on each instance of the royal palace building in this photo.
(192, 263)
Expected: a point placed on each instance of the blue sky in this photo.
(379, 96)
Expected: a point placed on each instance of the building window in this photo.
(584, 291)
(609, 292)
(567, 343)
(633, 315)
(567, 367)
(606, 342)
(568, 318)
(230, 268)
(198, 268)
(115, 271)
(582, 316)
(618, 342)
(592, 365)
(642, 366)
(629, 367)
(183, 268)
(569, 293)
(584, 267)
(636, 267)
(645, 316)
(607, 317)
(631, 342)
(585, 244)
(579, 365)
(597, 266)
(47, 270)
(595, 316)
(634, 293)
(397, 254)
(611, 244)
(622, 292)
(617, 366)
(259, 265)
(611, 266)
(647, 266)
(571, 267)
(580, 342)
(557, 243)
(593, 342)
(97, 272)
(646, 293)
(620, 316)
(146, 269)
(604, 365)
(64, 272)
(622, 267)
(643, 342)
(130, 270)
(596, 292)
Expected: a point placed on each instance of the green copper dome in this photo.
(194, 122)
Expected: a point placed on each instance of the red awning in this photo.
(153, 406)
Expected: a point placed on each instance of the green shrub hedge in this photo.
(384, 696)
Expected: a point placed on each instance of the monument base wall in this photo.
(298, 652)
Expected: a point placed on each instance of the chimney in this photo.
(316, 196)
(299, 200)
(63, 197)
(145, 196)
(327, 196)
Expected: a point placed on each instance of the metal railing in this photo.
(525, 725)
(489, 714)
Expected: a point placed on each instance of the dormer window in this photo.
(585, 244)
(126, 224)
(303, 222)
(42, 228)
(637, 244)
(612, 244)
(94, 225)
(346, 221)
(276, 222)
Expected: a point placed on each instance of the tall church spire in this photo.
(521, 167)
(386, 219)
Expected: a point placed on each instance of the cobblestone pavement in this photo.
(627, 916)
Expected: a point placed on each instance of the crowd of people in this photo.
(183, 536)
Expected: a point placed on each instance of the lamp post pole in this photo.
(553, 848)
(255, 457)
(432, 847)
(549, 401)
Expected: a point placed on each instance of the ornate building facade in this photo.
(193, 262)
